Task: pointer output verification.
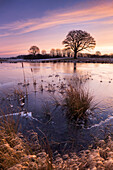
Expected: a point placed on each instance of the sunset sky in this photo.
(45, 23)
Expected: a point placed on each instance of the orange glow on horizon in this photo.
(97, 20)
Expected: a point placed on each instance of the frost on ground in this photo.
(15, 154)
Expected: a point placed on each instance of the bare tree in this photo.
(63, 52)
(52, 52)
(58, 52)
(68, 53)
(43, 52)
(34, 50)
(98, 53)
(78, 40)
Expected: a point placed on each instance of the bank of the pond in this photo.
(63, 59)
(17, 153)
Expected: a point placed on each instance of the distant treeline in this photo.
(47, 56)
(95, 56)
(37, 56)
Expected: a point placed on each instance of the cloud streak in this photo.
(102, 12)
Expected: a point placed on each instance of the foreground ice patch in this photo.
(101, 122)
(23, 114)
(29, 115)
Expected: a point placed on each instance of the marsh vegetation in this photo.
(78, 100)
(60, 109)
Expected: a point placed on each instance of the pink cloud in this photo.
(59, 18)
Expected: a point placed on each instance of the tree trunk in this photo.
(75, 54)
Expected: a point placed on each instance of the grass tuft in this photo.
(77, 100)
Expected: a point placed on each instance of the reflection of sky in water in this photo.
(101, 81)
(100, 76)
(100, 85)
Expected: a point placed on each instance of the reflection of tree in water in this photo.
(64, 67)
(74, 67)
(55, 67)
(35, 67)
(78, 69)
(97, 64)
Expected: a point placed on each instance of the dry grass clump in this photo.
(16, 152)
(100, 158)
(9, 141)
(92, 159)
(77, 100)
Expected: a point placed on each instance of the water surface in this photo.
(56, 126)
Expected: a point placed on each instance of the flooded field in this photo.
(40, 88)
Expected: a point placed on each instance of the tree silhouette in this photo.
(34, 50)
(43, 52)
(68, 53)
(63, 52)
(78, 40)
(58, 52)
(98, 53)
(52, 52)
